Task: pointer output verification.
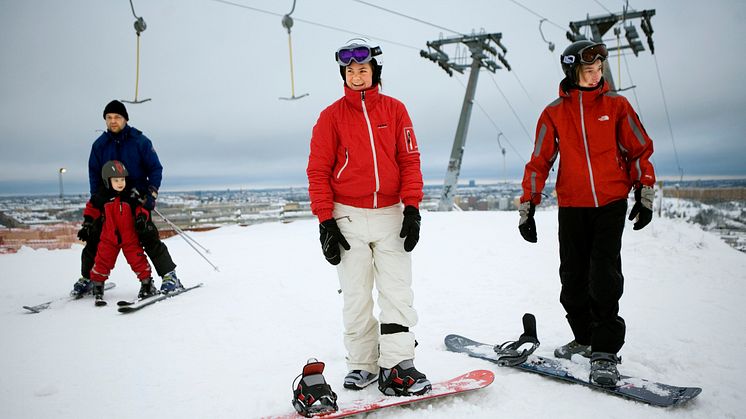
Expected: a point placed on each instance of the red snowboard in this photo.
(473, 380)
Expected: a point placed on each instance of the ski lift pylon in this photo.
(287, 23)
(140, 26)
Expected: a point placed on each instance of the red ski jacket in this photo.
(119, 233)
(364, 154)
(603, 148)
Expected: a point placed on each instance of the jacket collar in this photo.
(355, 97)
(121, 135)
(570, 90)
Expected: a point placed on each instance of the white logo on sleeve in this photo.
(604, 118)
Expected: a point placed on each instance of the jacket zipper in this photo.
(347, 160)
(587, 153)
(373, 148)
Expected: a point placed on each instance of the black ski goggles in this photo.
(591, 53)
(359, 53)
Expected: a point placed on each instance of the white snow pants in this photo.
(377, 256)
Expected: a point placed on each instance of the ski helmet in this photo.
(359, 51)
(581, 52)
(113, 168)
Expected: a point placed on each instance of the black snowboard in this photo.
(652, 393)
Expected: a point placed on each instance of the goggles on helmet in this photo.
(591, 53)
(360, 53)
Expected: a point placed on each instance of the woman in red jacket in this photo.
(363, 168)
(604, 152)
(120, 208)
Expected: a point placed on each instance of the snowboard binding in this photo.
(312, 396)
(512, 353)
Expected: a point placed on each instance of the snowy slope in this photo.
(232, 348)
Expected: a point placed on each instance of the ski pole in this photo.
(184, 236)
(180, 231)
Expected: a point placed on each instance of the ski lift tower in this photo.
(599, 25)
(483, 55)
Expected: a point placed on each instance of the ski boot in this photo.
(81, 288)
(603, 369)
(147, 289)
(98, 294)
(312, 395)
(170, 283)
(403, 380)
(572, 348)
(359, 379)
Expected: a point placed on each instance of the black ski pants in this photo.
(590, 241)
(149, 239)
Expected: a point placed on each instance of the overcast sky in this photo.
(215, 72)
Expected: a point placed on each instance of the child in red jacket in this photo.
(120, 210)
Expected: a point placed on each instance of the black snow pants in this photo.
(149, 239)
(590, 241)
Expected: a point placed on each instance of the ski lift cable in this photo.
(347, 31)
(409, 17)
(602, 6)
(668, 117)
(494, 124)
(511, 108)
(562, 28)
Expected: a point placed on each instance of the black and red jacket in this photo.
(118, 232)
(364, 154)
(603, 148)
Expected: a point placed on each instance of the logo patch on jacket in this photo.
(604, 118)
(410, 140)
(384, 125)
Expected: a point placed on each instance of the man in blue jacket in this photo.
(130, 146)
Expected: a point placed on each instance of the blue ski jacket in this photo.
(135, 150)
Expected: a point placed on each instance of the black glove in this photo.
(85, 232)
(527, 225)
(141, 223)
(149, 198)
(331, 238)
(643, 208)
(410, 227)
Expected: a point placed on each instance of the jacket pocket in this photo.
(344, 166)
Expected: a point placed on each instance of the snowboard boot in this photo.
(572, 348)
(81, 288)
(603, 369)
(98, 293)
(312, 396)
(170, 283)
(359, 379)
(403, 380)
(147, 289)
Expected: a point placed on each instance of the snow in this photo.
(232, 348)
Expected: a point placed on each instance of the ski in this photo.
(470, 381)
(638, 389)
(43, 306)
(131, 307)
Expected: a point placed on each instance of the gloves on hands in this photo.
(643, 208)
(331, 238)
(527, 225)
(141, 223)
(410, 227)
(85, 232)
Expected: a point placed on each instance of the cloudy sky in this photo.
(215, 71)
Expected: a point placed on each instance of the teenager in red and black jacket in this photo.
(604, 152)
(365, 185)
(120, 209)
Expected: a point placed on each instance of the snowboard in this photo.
(470, 381)
(43, 306)
(638, 389)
